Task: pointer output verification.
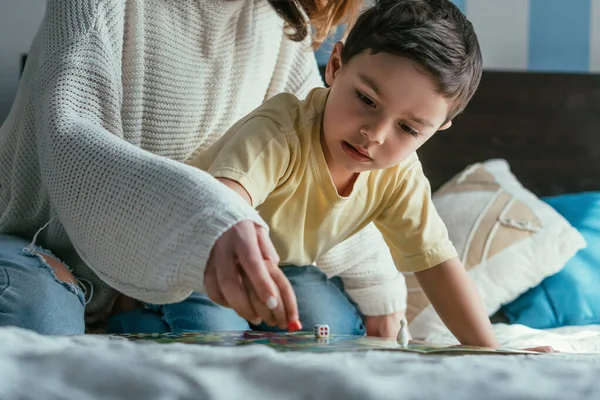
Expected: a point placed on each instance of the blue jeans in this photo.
(320, 301)
(31, 296)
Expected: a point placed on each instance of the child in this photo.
(321, 169)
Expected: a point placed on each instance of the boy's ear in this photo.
(445, 126)
(334, 64)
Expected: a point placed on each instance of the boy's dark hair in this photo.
(434, 33)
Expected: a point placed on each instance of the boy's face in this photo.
(381, 108)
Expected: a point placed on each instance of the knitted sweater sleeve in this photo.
(145, 224)
(297, 71)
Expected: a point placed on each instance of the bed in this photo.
(544, 125)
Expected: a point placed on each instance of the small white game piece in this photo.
(403, 334)
(321, 331)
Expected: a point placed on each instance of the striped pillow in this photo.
(508, 239)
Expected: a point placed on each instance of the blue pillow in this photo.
(572, 296)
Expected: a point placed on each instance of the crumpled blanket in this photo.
(96, 367)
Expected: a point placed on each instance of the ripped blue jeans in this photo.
(31, 296)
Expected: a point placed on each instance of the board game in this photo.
(306, 342)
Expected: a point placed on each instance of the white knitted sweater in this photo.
(114, 95)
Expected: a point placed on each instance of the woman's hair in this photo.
(322, 15)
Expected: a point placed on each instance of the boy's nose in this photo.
(375, 133)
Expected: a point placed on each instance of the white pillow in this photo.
(508, 239)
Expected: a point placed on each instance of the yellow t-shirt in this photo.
(275, 153)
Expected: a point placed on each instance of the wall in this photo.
(19, 20)
(535, 35)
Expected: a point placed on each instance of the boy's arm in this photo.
(456, 300)
(236, 187)
(420, 244)
(250, 158)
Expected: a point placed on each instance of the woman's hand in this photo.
(243, 273)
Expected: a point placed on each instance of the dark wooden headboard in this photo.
(546, 125)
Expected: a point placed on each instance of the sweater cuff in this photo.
(209, 231)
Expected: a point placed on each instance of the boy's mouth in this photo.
(358, 154)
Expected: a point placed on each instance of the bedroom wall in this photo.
(19, 20)
(534, 35)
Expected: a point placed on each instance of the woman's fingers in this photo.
(267, 294)
(265, 315)
(288, 312)
(234, 292)
(250, 257)
(266, 245)
(211, 283)
(229, 278)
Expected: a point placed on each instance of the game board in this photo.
(306, 342)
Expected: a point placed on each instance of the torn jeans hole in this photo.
(78, 287)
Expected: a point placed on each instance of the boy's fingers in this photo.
(371, 327)
(390, 332)
(391, 328)
(543, 349)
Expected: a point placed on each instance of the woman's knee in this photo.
(61, 271)
(37, 291)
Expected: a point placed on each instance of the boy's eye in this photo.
(364, 99)
(408, 130)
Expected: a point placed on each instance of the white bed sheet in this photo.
(570, 339)
(92, 367)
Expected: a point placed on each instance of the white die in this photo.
(321, 331)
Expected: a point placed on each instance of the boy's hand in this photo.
(386, 326)
(456, 300)
(542, 349)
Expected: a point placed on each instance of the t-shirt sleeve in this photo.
(411, 226)
(255, 153)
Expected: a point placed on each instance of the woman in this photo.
(114, 95)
